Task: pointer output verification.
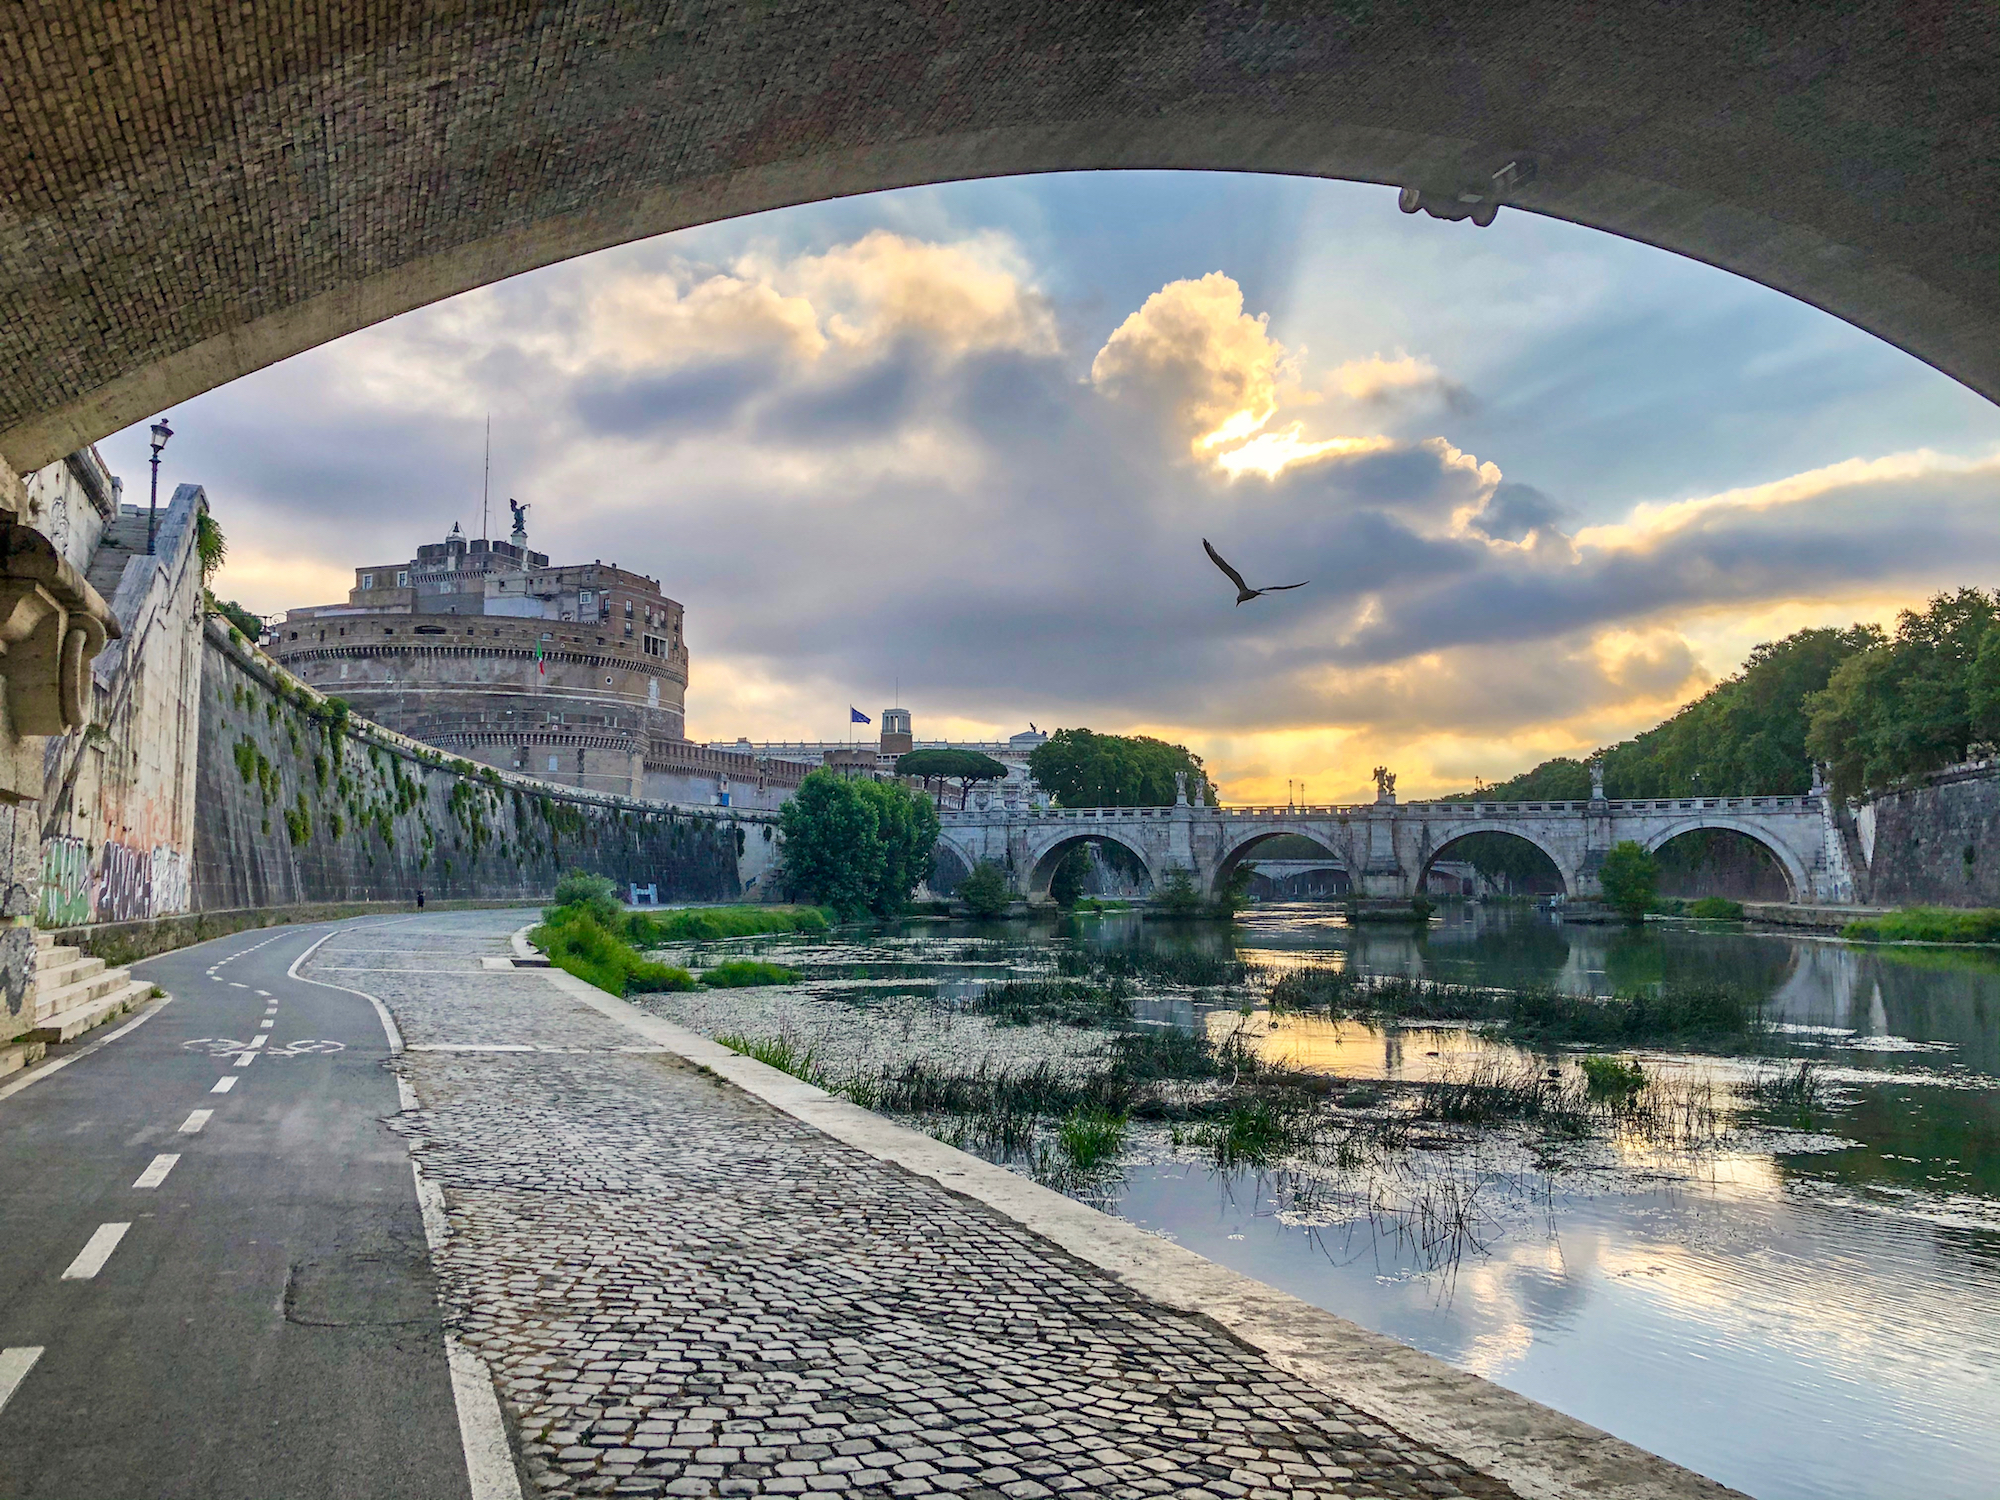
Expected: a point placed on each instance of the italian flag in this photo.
(540, 665)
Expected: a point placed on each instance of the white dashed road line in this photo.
(14, 1367)
(255, 1042)
(246, 1059)
(262, 1024)
(198, 1118)
(223, 1085)
(156, 1174)
(96, 1251)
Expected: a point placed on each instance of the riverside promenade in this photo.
(689, 1274)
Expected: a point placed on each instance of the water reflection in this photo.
(1809, 1309)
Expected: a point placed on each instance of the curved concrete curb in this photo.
(1543, 1454)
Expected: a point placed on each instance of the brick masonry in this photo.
(193, 191)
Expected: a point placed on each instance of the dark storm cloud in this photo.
(668, 404)
(1514, 510)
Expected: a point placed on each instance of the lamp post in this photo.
(161, 432)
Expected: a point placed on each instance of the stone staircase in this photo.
(74, 992)
(123, 540)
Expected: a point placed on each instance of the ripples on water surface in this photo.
(1796, 1314)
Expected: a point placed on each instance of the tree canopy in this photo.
(963, 766)
(1080, 768)
(858, 845)
(1915, 701)
(1746, 736)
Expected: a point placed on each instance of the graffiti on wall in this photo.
(65, 898)
(122, 884)
(171, 882)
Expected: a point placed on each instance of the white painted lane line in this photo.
(247, 1058)
(235, 985)
(223, 1085)
(256, 1041)
(489, 1461)
(156, 1174)
(14, 1367)
(267, 1023)
(96, 1251)
(265, 993)
(198, 1117)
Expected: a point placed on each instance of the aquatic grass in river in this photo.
(1066, 1002)
(1091, 1137)
(782, 1053)
(745, 973)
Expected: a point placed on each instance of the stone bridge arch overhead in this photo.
(1798, 878)
(225, 185)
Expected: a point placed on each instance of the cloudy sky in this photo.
(1546, 485)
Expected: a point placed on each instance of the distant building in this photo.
(577, 674)
(898, 738)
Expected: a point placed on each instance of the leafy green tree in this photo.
(963, 766)
(1178, 893)
(1080, 768)
(984, 891)
(1072, 870)
(1909, 704)
(237, 615)
(1746, 736)
(859, 846)
(1630, 879)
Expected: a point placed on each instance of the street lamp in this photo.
(161, 432)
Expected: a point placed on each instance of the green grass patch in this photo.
(1612, 1079)
(695, 924)
(578, 943)
(746, 973)
(1091, 1137)
(782, 1053)
(1928, 924)
(1716, 909)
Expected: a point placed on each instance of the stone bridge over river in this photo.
(1386, 848)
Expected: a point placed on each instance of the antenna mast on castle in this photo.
(486, 480)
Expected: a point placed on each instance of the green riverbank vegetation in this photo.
(1928, 924)
(589, 934)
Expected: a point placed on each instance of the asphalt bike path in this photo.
(214, 1278)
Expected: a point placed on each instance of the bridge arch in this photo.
(1236, 853)
(1043, 871)
(1511, 829)
(1798, 880)
(537, 133)
(951, 862)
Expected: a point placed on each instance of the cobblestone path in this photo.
(683, 1291)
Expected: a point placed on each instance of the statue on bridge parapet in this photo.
(1597, 779)
(1385, 786)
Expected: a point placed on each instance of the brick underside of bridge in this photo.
(1387, 848)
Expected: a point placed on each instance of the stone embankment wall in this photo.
(118, 799)
(296, 805)
(1935, 843)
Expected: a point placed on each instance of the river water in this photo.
(1803, 1310)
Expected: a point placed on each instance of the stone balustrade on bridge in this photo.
(1387, 848)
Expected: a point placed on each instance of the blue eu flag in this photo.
(856, 716)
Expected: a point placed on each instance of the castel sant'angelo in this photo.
(576, 673)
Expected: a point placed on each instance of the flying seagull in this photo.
(1243, 590)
